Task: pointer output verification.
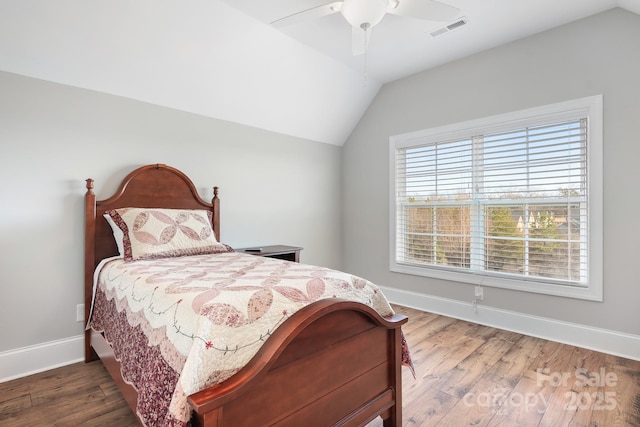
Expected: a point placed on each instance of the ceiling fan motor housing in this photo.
(364, 13)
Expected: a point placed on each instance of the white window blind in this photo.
(499, 202)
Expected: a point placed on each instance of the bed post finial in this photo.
(89, 185)
(215, 192)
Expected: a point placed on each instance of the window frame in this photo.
(589, 107)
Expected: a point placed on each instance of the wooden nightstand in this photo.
(288, 253)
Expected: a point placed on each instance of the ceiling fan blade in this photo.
(430, 10)
(359, 40)
(314, 12)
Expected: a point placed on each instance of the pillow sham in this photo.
(160, 233)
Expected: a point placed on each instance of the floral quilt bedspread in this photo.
(199, 319)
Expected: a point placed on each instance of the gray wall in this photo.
(274, 190)
(596, 55)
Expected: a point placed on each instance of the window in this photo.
(512, 201)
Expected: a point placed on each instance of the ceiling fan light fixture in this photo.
(364, 14)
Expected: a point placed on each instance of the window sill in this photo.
(591, 293)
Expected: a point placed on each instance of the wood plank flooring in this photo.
(466, 375)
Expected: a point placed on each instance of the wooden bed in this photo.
(333, 362)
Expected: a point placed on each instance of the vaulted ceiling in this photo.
(223, 58)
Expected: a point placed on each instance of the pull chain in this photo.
(365, 27)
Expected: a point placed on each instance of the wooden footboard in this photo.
(332, 363)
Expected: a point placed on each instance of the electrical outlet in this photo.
(479, 293)
(80, 313)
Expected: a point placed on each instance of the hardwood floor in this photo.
(466, 375)
(81, 394)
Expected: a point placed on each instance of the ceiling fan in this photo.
(363, 15)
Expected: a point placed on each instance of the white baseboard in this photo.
(603, 340)
(40, 357)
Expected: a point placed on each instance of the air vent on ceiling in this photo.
(456, 24)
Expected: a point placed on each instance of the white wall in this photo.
(274, 189)
(596, 55)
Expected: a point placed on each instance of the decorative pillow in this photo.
(160, 233)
